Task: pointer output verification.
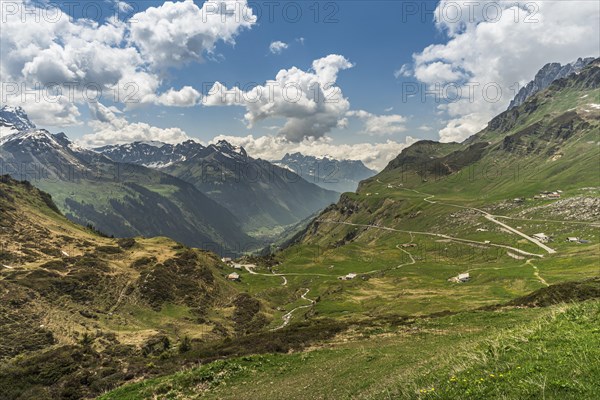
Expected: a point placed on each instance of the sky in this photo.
(348, 79)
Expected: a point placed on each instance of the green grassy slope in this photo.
(81, 313)
(519, 353)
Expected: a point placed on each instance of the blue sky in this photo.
(370, 51)
(376, 36)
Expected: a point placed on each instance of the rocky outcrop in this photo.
(546, 76)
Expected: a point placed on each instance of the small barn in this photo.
(347, 277)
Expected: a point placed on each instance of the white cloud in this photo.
(176, 33)
(59, 112)
(111, 129)
(126, 60)
(405, 70)
(438, 72)
(122, 6)
(374, 155)
(186, 97)
(377, 125)
(278, 47)
(309, 101)
(501, 50)
(389, 109)
(424, 128)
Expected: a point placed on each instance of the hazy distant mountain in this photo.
(116, 198)
(338, 175)
(545, 76)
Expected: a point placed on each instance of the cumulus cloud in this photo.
(376, 125)
(122, 60)
(176, 33)
(186, 97)
(112, 129)
(373, 155)
(277, 47)
(493, 48)
(309, 101)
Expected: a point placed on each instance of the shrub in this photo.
(185, 345)
(126, 243)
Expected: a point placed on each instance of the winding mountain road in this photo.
(523, 252)
(489, 217)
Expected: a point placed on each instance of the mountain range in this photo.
(151, 154)
(116, 198)
(339, 175)
(263, 196)
(204, 196)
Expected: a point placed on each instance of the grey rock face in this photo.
(545, 76)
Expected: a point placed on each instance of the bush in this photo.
(185, 345)
(109, 249)
(126, 243)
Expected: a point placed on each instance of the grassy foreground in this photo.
(520, 353)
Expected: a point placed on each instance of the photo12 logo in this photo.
(452, 92)
(470, 12)
(56, 92)
(318, 12)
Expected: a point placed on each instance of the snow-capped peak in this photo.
(37, 138)
(16, 118)
(227, 148)
(153, 143)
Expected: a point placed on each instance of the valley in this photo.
(461, 270)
